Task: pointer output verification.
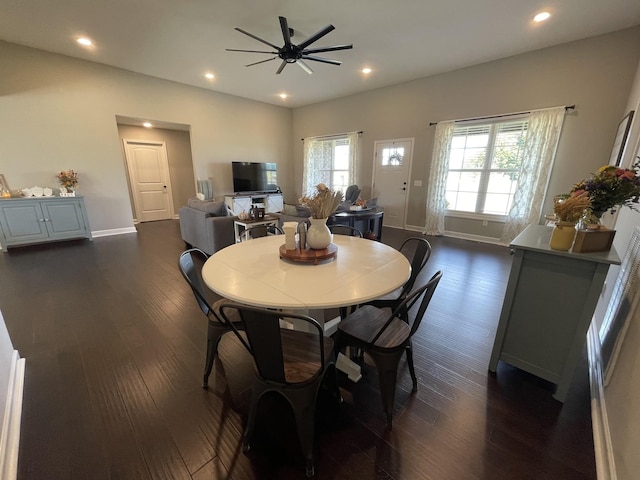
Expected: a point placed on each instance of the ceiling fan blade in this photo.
(315, 36)
(261, 61)
(257, 38)
(249, 51)
(304, 66)
(327, 49)
(286, 34)
(320, 59)
(281, 67)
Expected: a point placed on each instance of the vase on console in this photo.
(318, 235)
(562, 236)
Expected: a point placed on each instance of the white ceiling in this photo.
(400, 40)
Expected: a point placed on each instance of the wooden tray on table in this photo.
(309, 255)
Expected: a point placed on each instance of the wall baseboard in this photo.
(10, 435)
(603, 448)
(462, 236)
(113, 231)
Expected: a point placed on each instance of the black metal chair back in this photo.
(289, 362)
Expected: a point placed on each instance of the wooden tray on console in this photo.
(309, 255)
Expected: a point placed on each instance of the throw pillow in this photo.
(217, 209)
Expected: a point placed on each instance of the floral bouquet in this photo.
(322, 203)
(68, 179)
(611, 187)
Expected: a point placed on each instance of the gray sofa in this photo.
(206, 225)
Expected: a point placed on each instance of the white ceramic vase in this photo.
(318, 235)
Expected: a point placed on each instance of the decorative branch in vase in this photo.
(323, 202)
(321, 205)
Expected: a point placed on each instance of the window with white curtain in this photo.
(484, 164)
(329, 160)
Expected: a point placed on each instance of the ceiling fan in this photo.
(291, 53)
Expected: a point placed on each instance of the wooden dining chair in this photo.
(385, 337)
(292, 363)
(419, 249)
(190, 264)
(340, 229)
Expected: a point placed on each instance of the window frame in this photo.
(486, 170)
(331, 143)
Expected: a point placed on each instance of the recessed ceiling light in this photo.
(147, 125)
(366, 70)
(209, 75)
(283, 96)
(541, 17)
(87, 42)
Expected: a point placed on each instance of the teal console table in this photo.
(25, 221)
(548, 306)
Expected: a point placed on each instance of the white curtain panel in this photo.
(541, 143)
(436, 201)
(354, 147)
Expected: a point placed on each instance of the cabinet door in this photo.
(22, 222)
(274, 203)
(64, 219)
(241, 204)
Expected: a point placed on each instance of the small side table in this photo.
(239, 226)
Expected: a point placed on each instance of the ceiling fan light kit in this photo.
(292, 53)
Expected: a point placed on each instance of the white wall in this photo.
(621, 408)
(11, 390)
(57, 113)
(595, 74)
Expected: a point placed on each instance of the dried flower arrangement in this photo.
(570, 208)
(322, 203)
(68, 179)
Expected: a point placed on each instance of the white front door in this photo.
(148, 168)
(391, 171)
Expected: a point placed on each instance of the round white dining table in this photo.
(253, 273)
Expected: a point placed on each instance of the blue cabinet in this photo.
(550, 299)
(25, 221)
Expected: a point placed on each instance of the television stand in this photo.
(242, 202)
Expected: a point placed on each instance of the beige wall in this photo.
(178, 145)
(621, 394)
(595, 74)
(58, 113)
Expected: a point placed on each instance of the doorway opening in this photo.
(159, 167)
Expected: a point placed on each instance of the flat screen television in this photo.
(251, 177)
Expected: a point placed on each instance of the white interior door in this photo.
(391, 172)
(148, 168)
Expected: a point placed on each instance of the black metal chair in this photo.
(386, 337)
(260, 231)
(190, 264)
(421, 253)
(289, 362)
(340, 229)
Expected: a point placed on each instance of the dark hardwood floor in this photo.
(115, 345)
